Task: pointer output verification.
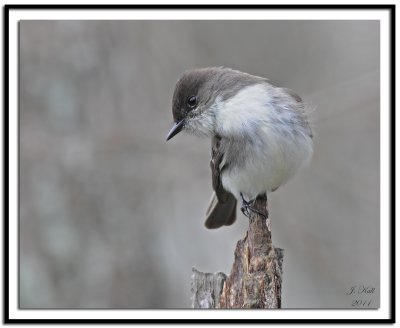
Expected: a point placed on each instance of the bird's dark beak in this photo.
(175, 129)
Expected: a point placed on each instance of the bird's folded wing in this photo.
(222, 208)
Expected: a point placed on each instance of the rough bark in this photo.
(255, 280)
(206, 289)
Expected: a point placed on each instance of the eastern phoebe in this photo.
(260, 134)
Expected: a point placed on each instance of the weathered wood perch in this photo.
(255, 280)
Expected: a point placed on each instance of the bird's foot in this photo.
(246, 208)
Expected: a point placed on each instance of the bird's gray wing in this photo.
(222, 208)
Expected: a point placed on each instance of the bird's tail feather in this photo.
(219, 214)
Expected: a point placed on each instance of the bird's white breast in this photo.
(272, 142)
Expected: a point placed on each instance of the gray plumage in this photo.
(260, 133)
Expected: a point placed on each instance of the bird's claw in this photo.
(246, 208)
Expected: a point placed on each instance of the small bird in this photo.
(260, 134)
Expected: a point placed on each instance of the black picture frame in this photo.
(12, 7)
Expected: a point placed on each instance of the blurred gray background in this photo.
(111, 216)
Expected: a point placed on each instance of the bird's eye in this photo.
(192, 101)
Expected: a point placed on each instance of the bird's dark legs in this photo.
(246, 208)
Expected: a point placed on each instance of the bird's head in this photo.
(200, 94)
(193, 102)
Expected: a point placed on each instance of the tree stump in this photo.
(206, 289)
(255, 280)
